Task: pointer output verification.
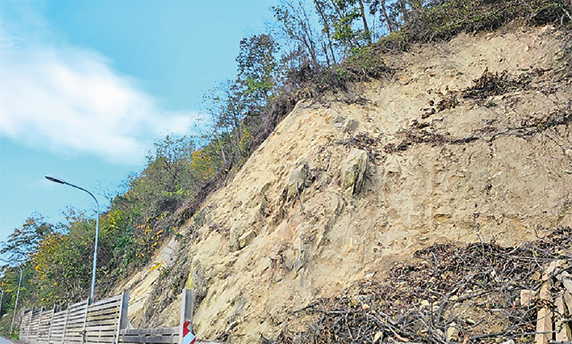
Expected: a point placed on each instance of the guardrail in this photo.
(102, 322)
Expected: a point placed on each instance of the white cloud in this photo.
(70, 101)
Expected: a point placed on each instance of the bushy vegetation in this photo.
(443, 19)
(315, 47)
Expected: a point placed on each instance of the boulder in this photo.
(351, 125)
(353, 171)
(452, 333)
(297, 180)
(246, 239)
(243, 230)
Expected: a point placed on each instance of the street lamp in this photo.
(60, 181)
(17, 295)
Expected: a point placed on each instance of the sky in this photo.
(87, 87)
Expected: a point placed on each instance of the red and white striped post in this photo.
(186, 335)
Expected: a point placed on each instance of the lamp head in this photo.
(55, 180)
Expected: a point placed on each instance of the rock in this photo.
(258, 195)
(553, 269)
(563, 333)
(302, 259)
(338, 121)
(536, 276)
(543, 326)
(351, 124)
(197, 281)
(425, 303)
(170, 253)
(235, 233)
(526, 297)
(545, 293)
(239, 232)
(568, 300)
(566, 280)
(452, 333)
(246, 239)
(510, 341)
(353, 171)
(297, 180)
(336, 205)
(544, 320)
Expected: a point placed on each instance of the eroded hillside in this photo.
(465, 141)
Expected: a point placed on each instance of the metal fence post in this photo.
(186, 335)
(123, 320)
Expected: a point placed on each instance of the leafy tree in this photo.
(163, 184)
(382, 7)
(257, 68)
(9, 280)
(62, 264)
(236, 106)
(296, 26)
(348, 32)
(24, 241)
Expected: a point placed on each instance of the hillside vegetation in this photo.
(457, 134)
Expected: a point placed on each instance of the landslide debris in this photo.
(476, 289)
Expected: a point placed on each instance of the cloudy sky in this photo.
(86, 87)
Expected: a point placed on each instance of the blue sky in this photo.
(86, 87)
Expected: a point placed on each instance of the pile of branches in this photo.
(473, 288)
(493, 84)
(414, 136)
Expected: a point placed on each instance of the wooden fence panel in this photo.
(58, 329)
(102, 324)
(33, 326)
(44, 326)
(25, 325)
(169, 335)
(74, 331)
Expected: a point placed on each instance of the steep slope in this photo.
(449, 148)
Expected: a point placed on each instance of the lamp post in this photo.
(17, 295)
(60, 181)
(1, 298)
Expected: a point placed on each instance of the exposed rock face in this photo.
(353, 171)
(476, 168)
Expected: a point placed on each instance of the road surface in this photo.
(4, 340)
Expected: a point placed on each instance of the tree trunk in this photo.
(388, 20)
(364, 18)
(322, 14)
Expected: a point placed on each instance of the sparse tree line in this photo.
(316, 44)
